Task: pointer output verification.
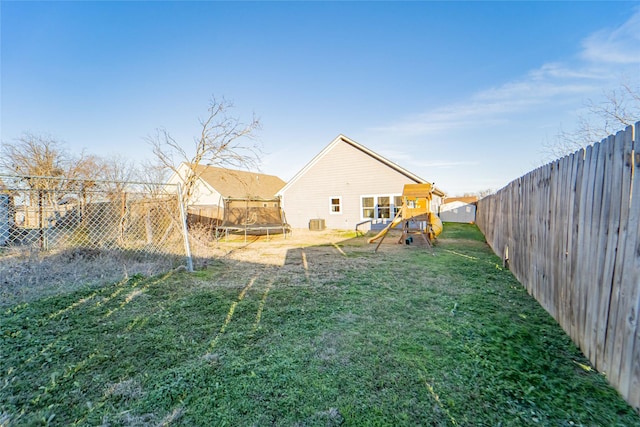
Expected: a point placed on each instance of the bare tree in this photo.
(223, 141)
(43, 156)
(34, 155)
(479, 194)
(618, 109)
(47, 168)
(153, 175)
(118, 168)
(117, 171)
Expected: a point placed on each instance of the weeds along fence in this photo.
(50, 215)
(570, 233)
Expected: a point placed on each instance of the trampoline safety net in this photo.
(253, 216)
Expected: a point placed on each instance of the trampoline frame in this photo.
(246, 228)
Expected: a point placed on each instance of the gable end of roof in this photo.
(344, 139)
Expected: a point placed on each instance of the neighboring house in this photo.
(459, 209)
(215, 184)
(347, 184)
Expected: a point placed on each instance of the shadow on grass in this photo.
(332, 335)
(28, 274)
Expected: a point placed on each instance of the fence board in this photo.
(551, 250)
(542, 227)
(569, 191)
(628, 337)
(593, 267)
(531, 233)
(561, 239)
(562, 216)
(572, 239)
(609, 223)
(547, 214)
(609, 300)
(584, 218)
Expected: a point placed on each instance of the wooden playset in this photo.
(415, 215)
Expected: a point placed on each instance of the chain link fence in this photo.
(43, 218)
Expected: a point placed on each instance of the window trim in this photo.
(331, 205)
(388, 207)
(373, 208)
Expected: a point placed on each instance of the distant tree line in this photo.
(222, 140)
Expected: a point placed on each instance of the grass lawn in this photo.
(337, 335)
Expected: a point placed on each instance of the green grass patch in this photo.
(453, 230)
(408, 336)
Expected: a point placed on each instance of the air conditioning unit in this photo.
(316, 224)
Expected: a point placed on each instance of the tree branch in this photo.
(223, 141)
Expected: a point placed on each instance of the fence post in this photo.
(41, 221)
(123, 211)
(185, 231)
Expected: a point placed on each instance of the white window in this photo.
(384, 207)
(380, 206)
(397, 204)
(335, 205)
(367, 207)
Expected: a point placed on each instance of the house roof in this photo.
(466, 199)
(343, 139)
(240, 184)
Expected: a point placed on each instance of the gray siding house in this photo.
(346, 184)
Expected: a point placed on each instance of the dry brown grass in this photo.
(274, 251)
(28, 274)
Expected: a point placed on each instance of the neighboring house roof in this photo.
(466, 199)
(240, 184)
(343, 139)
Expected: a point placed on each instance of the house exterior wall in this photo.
(203, 194)
(345, 173)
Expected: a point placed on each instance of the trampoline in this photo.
(253, 216)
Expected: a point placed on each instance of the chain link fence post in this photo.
(185, 231)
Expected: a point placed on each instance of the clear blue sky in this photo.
(461, 93)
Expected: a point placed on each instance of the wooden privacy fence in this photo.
(570, 231)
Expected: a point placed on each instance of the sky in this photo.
(463, 94)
